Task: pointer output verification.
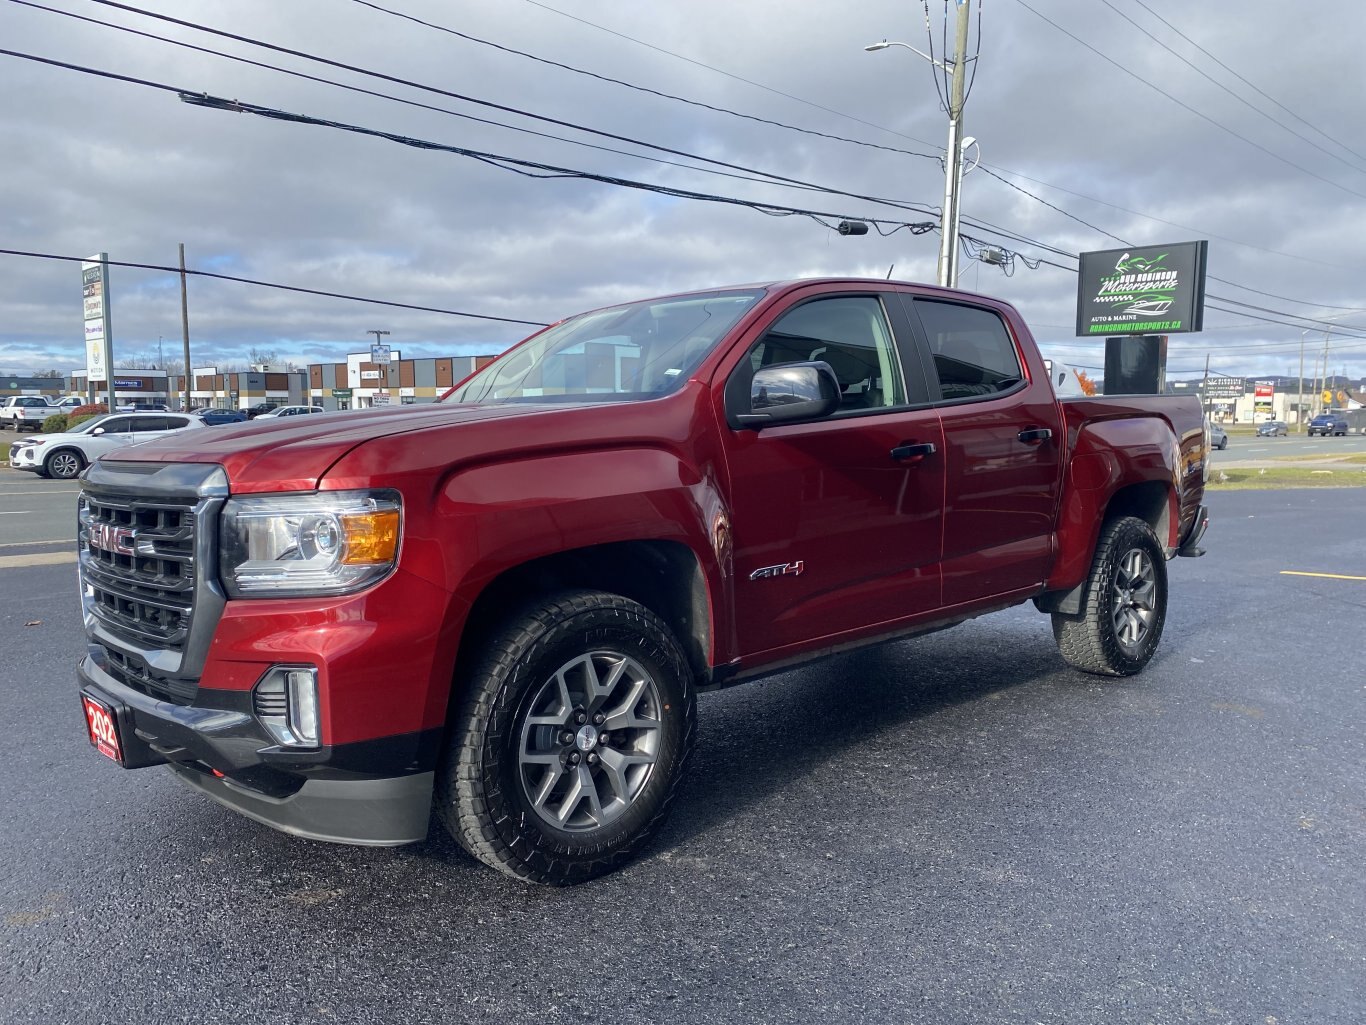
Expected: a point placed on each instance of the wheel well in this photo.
(664, 576)
(1148, 501)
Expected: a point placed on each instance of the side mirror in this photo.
(97, 432)
(790, 393)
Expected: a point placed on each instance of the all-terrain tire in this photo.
(1124, 603)
(488, 782)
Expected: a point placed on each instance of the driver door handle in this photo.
(914, 452)
(1035, 435)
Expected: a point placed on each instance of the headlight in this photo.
(325, 542)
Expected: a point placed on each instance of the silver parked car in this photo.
(289, 411)
(65, 455)
(1218, 437)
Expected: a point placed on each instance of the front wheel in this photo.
(570, 739)
(64, 464)
(1124, 604)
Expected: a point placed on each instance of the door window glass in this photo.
(851, 334)
(973, 352)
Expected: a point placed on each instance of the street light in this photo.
(953, 157)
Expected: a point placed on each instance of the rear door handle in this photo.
(904, 452)
(1034, 435)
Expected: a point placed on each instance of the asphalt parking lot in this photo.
(954, 829)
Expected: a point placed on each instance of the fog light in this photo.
(286, 703)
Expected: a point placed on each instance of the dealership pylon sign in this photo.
(1148, 290)
(99, 335)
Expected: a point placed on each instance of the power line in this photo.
(796, 183)
(1299, 117)
(1247, 103)
(276, 285)
(1180, 103)
(781, 179)
(534, 169)
(641, 88)
(727, 74)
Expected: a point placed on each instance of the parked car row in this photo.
(66, 454)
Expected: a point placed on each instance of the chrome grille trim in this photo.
(147, 544)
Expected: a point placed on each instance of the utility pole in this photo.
(1327, 332)
(185, 327)
(378, 334)
(953, 159)
(1299, 399)
(1204, 390)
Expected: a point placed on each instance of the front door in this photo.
(834, 532)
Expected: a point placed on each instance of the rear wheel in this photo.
(570, 739)
(1124, 605)
(64, 464)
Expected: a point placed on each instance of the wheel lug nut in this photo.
(599, 719)
(581, 718)
(604, 739)
(592, 759)
(566, 737)
(574, 758)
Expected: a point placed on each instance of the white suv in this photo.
(67, 454)
(290, 411)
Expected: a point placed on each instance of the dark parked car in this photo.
(261, 407)
(213, 416)
(1328, 423)
(1273, 429)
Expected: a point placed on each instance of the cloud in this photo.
(99, 165)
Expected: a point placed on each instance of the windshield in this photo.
(632, 352)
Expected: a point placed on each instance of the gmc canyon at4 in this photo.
(505, 602)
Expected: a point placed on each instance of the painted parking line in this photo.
(1325, 576)
(71, 491)
(38, 559)
(38, 544)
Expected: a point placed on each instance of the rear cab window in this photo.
(971, 350)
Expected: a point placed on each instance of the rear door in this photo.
(832, 530)
(1002, 449)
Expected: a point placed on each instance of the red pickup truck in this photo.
(505, 602)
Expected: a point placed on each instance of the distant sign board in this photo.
(128, 383)
(1225, 387)
(1142, 290)
(379, 352)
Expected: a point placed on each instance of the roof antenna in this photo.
(889, 271)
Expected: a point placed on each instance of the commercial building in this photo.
(360, 384)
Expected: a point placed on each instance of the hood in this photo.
(292, 453)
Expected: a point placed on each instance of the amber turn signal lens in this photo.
(371, 537)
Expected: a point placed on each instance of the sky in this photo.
(1099, 124)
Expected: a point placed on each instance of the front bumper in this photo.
(378, 796)
(25, 456)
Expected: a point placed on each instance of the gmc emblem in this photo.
(112, 539)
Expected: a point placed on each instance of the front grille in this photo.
(140, 567)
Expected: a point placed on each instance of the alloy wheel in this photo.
(589, 741)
